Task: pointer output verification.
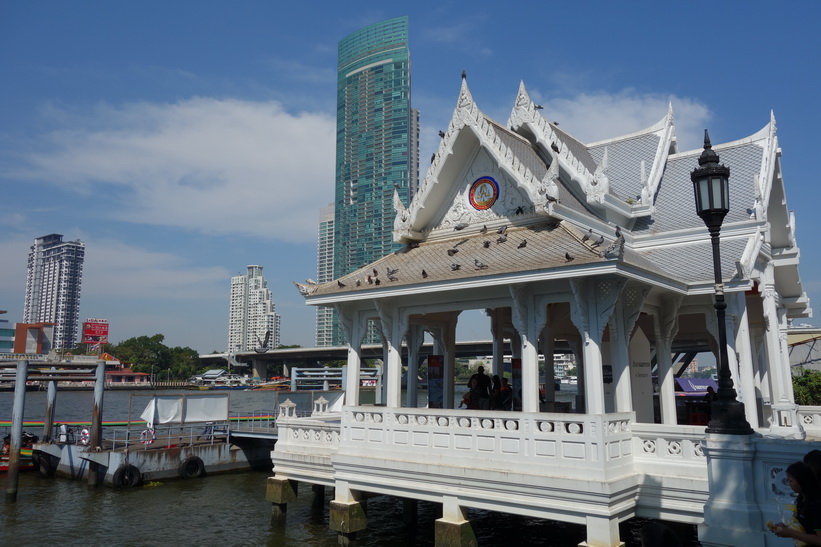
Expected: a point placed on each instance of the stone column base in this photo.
(454, 534)
(347, 517)
(280, 491)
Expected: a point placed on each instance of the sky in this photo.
(184, 140)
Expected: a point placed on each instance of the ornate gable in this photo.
(481, 174)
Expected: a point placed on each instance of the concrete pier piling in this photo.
(280, 492)
(16, 444)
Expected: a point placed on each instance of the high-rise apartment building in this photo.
(53, 282)
(325, 272)
(376, 144)
(252, 313)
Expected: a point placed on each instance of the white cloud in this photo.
(592, 117)
(113, 269)
(205, 165)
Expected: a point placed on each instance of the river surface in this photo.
(223, 510)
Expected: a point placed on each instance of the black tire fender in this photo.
(127, 476)
(192, 468)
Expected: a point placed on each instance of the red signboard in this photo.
(95, 331)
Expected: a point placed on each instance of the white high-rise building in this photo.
(324, 273)
(53, 283)
(252, 313)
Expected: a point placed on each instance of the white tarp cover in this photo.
(179, 409)
(206, 408)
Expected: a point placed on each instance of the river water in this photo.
(224, 510)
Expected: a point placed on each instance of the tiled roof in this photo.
(624, 159)
(693, 262)
(544, 251)
(675, 204)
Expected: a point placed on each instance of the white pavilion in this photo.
(597, 245)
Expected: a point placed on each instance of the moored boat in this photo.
(26, 457)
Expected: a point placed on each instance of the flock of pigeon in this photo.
(373, 277)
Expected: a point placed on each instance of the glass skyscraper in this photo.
(376, 143)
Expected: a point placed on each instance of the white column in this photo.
(393, 328)
(354, 331)
(498, 334)
(591, 307)
(665, 324)
(528, 321)
(416, 335)
(743, 350)
(449, 336)
(620, 358)
(548, 345)
(784, 410)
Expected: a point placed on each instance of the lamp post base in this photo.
(728, 418)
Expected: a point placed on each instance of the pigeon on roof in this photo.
(588, 235)
(523, 244)
(479, 264)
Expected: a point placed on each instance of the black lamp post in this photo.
(712, 190)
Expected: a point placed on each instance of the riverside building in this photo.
(376, 145)
(597, 246)
(252, 317)
(53, 282)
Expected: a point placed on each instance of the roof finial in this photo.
(708, 156)
(464, 75)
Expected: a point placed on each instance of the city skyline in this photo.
(180, 147)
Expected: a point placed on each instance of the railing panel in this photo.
(810, 419)
(502, 440)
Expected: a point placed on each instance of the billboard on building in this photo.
(95, 331)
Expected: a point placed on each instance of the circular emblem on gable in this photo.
(483, 193)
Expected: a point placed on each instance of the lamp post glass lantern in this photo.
(711, 186)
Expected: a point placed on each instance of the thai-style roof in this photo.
(553, 189)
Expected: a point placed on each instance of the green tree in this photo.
(184, 363)
(144, 353)
(807, 387)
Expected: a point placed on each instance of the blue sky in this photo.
(182, 141)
